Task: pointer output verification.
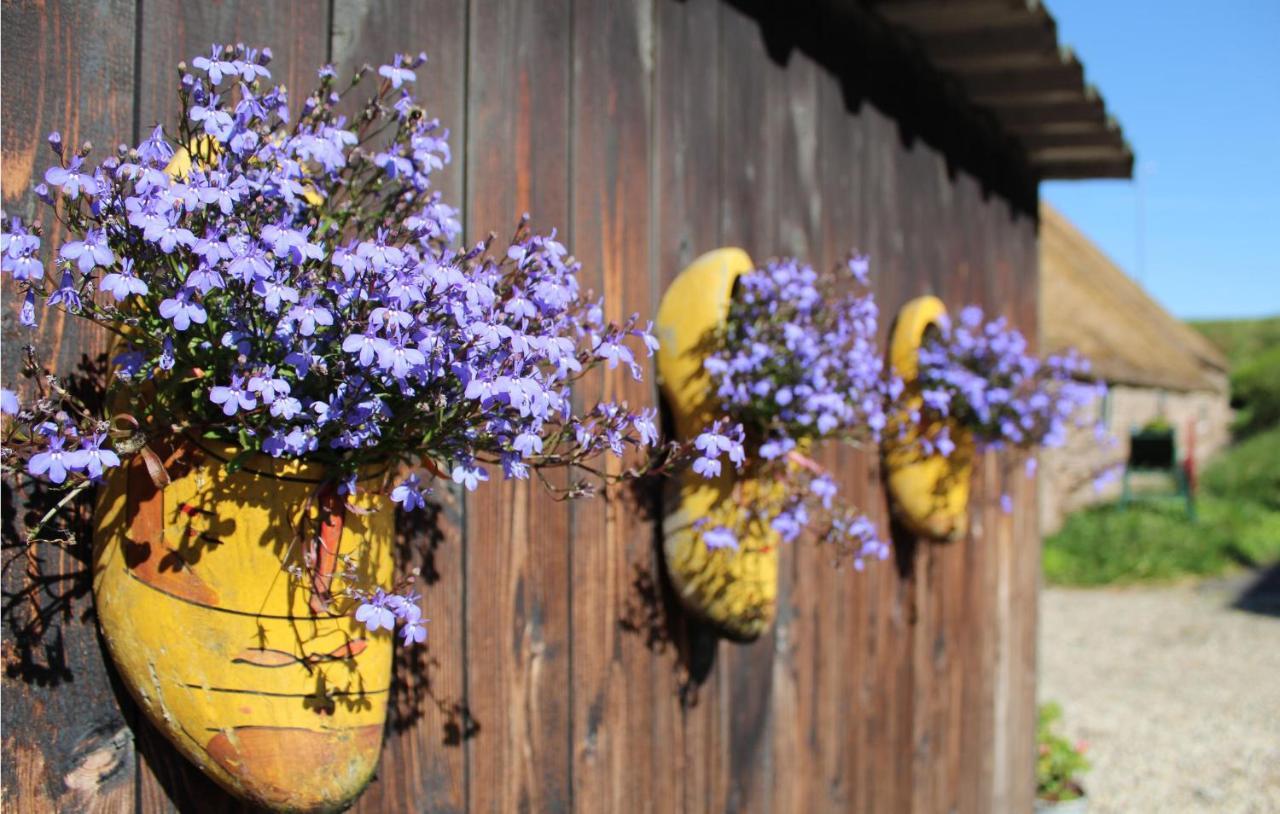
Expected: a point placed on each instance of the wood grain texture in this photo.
(797, 706)
(67, 66)
(424, 766)
(649, 132)
(751, 125)
(518, 566)
(173, 31)
(686, 219)
(617, 763)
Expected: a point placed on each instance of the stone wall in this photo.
(1202, 420)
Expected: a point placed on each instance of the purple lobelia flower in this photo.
(72, 179)
(54, 462)
(92, 457)
(720, 537)
(409, 494)
(182, 310)
(395, 73)
(414, 629)
(981, 375)
(374, 613)
(233, 397)
(797, 363)
(289, 289)
(90, 252)
(123, 284)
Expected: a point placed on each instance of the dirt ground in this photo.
(1176, 691)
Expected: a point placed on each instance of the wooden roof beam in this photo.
(928, 16)
(1079, 115)
(1070, 170)
(1033, 37)
(1065, 155)
(989, 87)
(1046, 139)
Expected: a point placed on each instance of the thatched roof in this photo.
(1088, 303)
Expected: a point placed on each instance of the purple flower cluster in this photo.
(797, 363)
(980, 375)
(382, 610)
(293, 286)
(63, 442)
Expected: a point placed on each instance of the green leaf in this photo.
(233, 465)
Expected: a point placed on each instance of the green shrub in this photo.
(1154, 540)
(1237, 523)
(1248, 471)
(1255, 392)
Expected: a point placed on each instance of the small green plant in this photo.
(1059, 763)
(1160, 424)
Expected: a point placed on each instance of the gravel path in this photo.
(1176, 690)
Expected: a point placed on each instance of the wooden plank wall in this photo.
(559, 676)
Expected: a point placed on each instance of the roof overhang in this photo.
(1006, 59)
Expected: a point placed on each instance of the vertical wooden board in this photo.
(372, 31)
(686, 222)
(617, 765)
(296, 31)
(750, 129)
(799, 657)
(917, 208)
(67, 66)
(898, 279)
(853, 210)
(839, 620)
(518, 588)
(1019, 569)
(423, 764)
(941, 246)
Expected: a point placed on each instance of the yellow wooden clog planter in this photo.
(736, 591)
(280, 702)
(929, 493)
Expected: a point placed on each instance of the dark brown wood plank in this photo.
(804, 583)
(837, 707)
(891, 607)
(750, 132)
(67, 66)
(518, 537)
(423, 765)
(617, 707)
(297, 31)
(686, 205)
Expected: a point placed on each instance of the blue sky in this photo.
(1196, 88)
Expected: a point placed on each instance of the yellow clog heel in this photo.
(266, 684)
(735, 591)
(929, 493)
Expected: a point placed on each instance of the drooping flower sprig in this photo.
(293, 286)
(979, 374)
(797, 363)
